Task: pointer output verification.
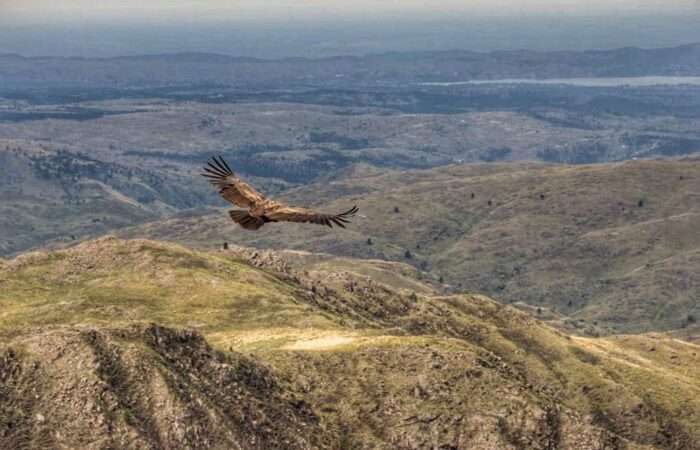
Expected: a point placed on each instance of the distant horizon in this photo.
(380, 53)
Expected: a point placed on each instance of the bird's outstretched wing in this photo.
(231, 188)
(303, 215)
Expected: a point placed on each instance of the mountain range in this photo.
(438, 66)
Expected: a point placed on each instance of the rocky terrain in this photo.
(310, 351)
(144, 387)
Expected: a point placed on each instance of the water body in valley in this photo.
(585, 82)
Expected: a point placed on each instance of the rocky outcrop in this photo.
(144, 388)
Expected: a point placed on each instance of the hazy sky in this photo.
(188, 10)
(278, 28)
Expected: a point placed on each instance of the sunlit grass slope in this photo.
(113, 282)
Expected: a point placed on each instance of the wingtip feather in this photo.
(225, 164)
(214, 170)
(218, 166)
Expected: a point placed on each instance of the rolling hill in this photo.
(296, 350)
(48, 192)
(614, 246)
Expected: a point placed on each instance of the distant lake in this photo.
(590, 82)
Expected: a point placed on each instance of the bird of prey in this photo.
(258, 209)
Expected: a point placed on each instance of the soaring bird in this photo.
(258, 209)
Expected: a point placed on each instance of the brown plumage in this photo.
(258, 209)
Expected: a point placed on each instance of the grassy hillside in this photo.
(348, 354)
(612, 245)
